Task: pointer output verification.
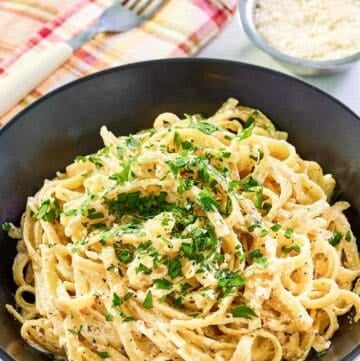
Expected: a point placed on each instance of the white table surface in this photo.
(232, 44)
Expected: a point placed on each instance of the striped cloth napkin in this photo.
(179, 28)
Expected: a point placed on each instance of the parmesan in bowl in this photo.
(308, 36)
(310, 29)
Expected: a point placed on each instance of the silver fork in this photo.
(31, 69)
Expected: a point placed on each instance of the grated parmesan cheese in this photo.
(310, 29)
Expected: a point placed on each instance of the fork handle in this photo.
(28, 72)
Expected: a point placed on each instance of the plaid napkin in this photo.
(179, 28)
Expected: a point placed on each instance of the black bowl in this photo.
(50, 133)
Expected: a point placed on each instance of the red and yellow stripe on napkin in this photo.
(179, 28)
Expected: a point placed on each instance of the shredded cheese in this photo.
(310, 29)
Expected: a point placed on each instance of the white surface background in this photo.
(233, 44)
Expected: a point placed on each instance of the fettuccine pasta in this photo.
(199, 239)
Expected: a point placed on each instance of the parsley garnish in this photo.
(258, 258)
(258, 198)
(163, 284)
(6, 227)
(336, 194)
(321, 354)
(247, 184)
(205, 127)
(247, 131)
(124, 254)
(252, 227)
(206, 202)
(276, 227)
(70, 213)
(109, 317)
(142, 268)
(132, 142)
(148, 303)
(243, 311)
(128, 296)
(104, 354)
(116, 300)
(174, 268)
(93, 214)
(124, 175)
(295, 247)
(348, 236)
(184, 185)
(49, 211)
(134, 203)
(76, 330)
(336, 238)
(228, 280)
(177, 140)
(93, 158)
(288, 233)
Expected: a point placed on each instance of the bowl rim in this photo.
(247, 20)
(174, 60)
(210, 61)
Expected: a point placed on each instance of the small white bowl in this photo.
(296, 65)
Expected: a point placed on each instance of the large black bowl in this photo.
(50, 133)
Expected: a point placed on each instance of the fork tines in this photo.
(144, 8)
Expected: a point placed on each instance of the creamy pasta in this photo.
(199, 239)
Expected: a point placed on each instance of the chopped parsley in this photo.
(348, 236)
(163, 284)
(93, 214)
(257, 257)
(258, 198)
(207, 202)
(205, 127)
(76, 330)
(321, 354)
(109, 317)
(246, 131)
(103, 354)
(70, 213)
(243, 311)
(116, 300)
(252, 227)
(185, 184)
(336, 194)
(177, 140)
(132, 142)
(335, 239)
(204, 244)
(143, 269)
(124, 254)
(295, 247)
(229, 280)
(6, 227)
(288, 233)
(148, 301)
(247, 184)
(134, 203)
(128, 296)
(94, 158)
(174, 268)
(124, 175)
(276, 227)
(49, 211)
